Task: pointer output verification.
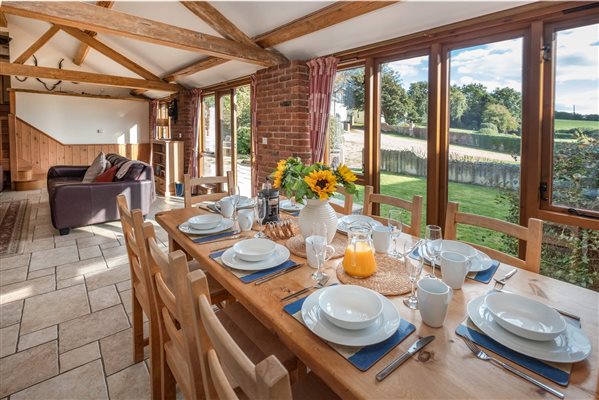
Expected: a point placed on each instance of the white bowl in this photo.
(207, 221)
(459, 247)
(350, 307)
(254, 250)
(525, 317)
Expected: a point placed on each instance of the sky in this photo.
(499, 64)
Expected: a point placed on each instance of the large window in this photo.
(208, 137)
(403, 129)
(244, 139)
(485, 130)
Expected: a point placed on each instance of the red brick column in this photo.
(184, 124)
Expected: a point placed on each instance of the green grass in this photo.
(472, 198)
(567, 124)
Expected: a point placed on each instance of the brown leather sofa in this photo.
(73, 203)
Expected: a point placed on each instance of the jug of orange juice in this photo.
(359, 259)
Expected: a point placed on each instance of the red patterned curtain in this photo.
(322, 76)
(195, 109)
(254, 134)
(153, 115)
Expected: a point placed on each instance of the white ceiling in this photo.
(251, 17)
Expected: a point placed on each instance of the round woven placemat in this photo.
(390, 278)
(297, 246)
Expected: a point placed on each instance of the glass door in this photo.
(243, 125)
(208, 137)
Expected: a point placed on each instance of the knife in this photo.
(415, 348)
(275, 274)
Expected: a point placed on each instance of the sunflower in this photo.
(322, 182)
(279, 174)
(346, 174)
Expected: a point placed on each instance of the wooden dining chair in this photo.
(414, 207)
(219, 351)
(181, 363)
(532, 235)
(142, 299)
(213, 181)
(348, 202)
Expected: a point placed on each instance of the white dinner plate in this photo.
(571, 346)
(480, 262)
(382, 329)
(223, 226)
(345, 222)
(230, 259)
(244, 202)
(287, 205)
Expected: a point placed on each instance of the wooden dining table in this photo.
(444, 369)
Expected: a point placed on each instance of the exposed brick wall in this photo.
(184, 124)
(282, 115)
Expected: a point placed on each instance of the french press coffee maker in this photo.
(272, 202)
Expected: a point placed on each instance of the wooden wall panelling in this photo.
(44, 153)
(35, 150)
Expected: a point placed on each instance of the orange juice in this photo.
(359, 260)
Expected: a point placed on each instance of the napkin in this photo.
(360, 357)
(251, 276)
(556, 372)
(214, 237)
(482, 276)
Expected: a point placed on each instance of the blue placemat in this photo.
(482, 276)
(556, 372)
(214, 237)
(360, 357)
(249, 276)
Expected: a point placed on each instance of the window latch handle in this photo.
(543, 191)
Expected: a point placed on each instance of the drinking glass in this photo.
(322, 250)
(394, 222)
(432, 242)
(260, 212)
(236, 197)
(414, 269)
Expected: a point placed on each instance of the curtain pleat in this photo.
(195, 109)
(322, 76)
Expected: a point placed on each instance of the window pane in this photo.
(208, 137)
(576, 123)
(225, 131)
(346, 124)
(244, 139)
(404, 113)
(485, 134)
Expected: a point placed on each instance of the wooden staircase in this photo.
(26, 179)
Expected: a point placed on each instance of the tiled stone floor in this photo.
(65, 323)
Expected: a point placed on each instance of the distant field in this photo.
(565, 124)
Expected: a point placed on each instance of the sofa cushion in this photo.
(59, 181)
(97, 167)
(107, 176)
(134, 171)
(116, 159)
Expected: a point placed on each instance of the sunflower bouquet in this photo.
(317, 181)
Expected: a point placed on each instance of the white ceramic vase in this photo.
(317, 211)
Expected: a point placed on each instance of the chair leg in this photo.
(138, 329)
(169, 384)
(156, 363)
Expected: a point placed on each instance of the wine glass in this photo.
(322, 250)
(432, 243)
(394, 222)
(235, 199)
(414, 269)
(260, 212)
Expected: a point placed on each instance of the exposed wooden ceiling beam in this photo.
(86, 77)
(36, 45)
(88, 16)
(110, 53)
(3, 21)
(333, 14)
(89, 95)
(328, 16)
(83, 49)
(206, 12)
(194, 67)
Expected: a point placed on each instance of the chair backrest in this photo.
(217, 181)
(218, 352)
(414, 207)
(532, 235)
(175, 315)
(348, 202)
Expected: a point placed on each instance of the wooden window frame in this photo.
(546, 209)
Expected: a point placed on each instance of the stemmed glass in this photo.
(260, 212)
(235, 199)
(414, 269)
(322, 250)
(433, 240)
(394, 222)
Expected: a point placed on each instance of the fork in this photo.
(318, 285)
(500, 283)
(481, 355)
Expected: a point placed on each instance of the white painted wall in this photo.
(76, 120)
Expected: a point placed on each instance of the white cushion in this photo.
(97, 167)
